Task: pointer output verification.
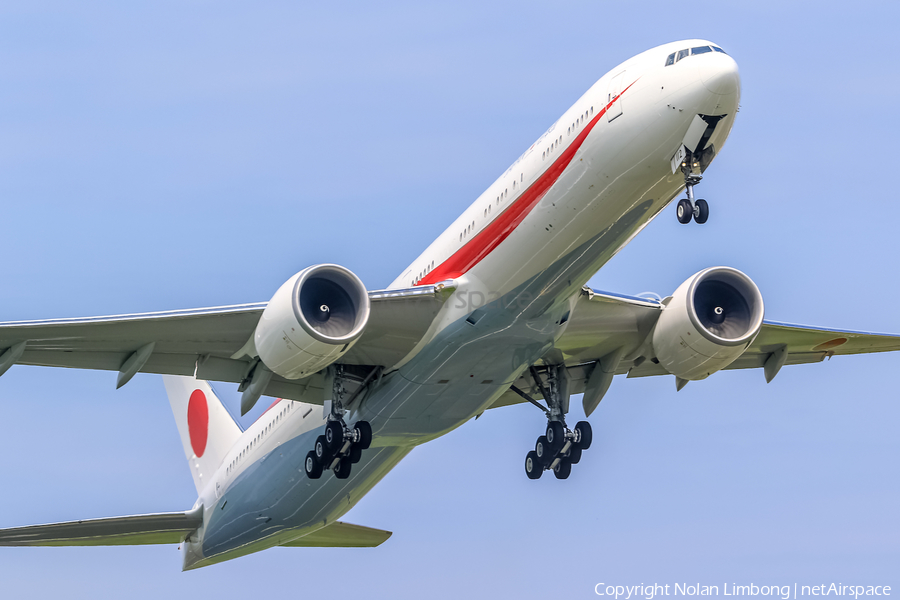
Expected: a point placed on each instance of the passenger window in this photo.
(681, 54)
(670, 60)
(701, 50)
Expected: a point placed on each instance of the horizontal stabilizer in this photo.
(341, 535)
(160, 528)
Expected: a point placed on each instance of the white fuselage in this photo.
(535, 236)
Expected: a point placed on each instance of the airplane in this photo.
(495, 312)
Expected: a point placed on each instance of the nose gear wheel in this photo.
(689, 208)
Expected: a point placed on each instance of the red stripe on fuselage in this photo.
(506, 222)
(271, 406)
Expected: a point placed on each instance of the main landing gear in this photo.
(340, 446)
(688, 208)
(560, 447)
(558, 450)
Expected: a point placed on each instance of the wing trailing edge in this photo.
(135, 530)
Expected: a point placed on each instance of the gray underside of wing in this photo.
(804, 345)
(602, 322)
(201, 342)
(161, 528)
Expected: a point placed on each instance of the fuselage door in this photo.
(615, 89)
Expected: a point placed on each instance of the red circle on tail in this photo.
(198, 422)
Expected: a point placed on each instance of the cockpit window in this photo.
(676, 56)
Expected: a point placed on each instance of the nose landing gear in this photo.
(688, 208)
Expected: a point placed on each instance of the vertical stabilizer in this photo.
(207, 430)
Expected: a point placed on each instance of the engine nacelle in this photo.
(709, 322)
(316, 316)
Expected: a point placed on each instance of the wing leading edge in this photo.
(203, 342)
(602, 322)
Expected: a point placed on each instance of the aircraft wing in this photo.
(160, 528)
(602, 322)
(203, 341)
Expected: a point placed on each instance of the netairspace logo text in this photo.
(785, 592)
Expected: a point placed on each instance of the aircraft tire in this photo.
(563, 469)
(365, 434)
(702, 212)
(355, 454)
(322, 452)
(533, 467)
(684, 211)
(574, 455)
(555, 436)
(585, 434)
(334, 435)
(312, 465)
(342, 470)
(542, 451)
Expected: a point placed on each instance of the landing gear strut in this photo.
(560, 447)
(340, 446)
(688, 208)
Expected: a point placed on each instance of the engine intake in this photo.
(316, 316)
(709, 322)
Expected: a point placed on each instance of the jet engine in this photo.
(316, 316)
(709, 322)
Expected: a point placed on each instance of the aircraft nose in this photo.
(719, 74)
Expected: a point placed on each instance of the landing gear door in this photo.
(615, 90)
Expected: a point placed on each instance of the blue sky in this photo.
(183, 154)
